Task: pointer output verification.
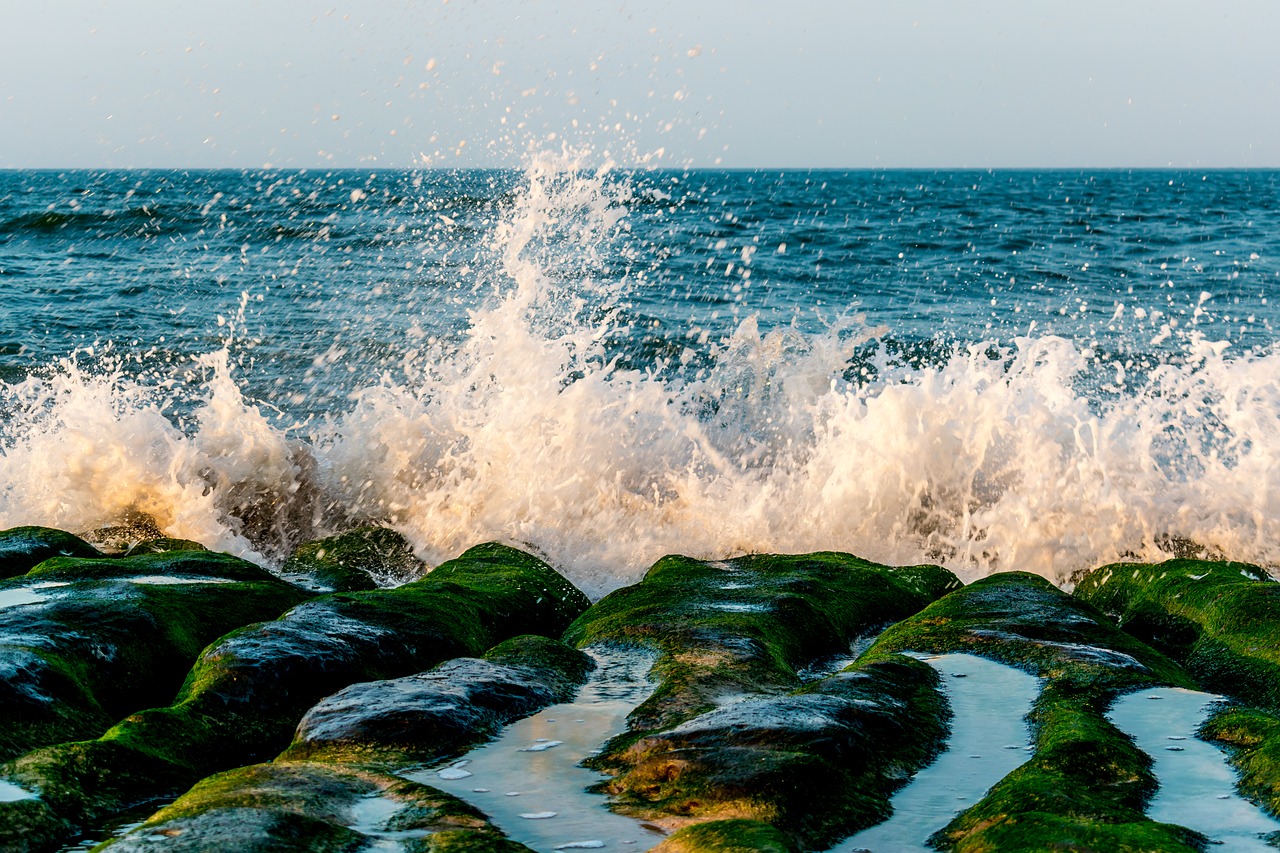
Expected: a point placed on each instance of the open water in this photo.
(990, 370)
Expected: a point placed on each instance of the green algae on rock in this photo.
(364, 558)
(816, 764)
(1252, 739)
(435, 714)
(287, 805)
(1220, 620)
(162, 545)
(1086, 784)
(748, 625)
(88, 642)
(729, 733)
(245, 694)
(22, 548)
(736, 835)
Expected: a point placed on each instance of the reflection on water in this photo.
(1197, 787)
(989, 738)
(529, 781)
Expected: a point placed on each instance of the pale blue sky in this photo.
(983, 83)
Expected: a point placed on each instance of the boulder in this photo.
(732, 731)
(364, 558)
(432, 715)
(246, 693)
(86, 641)
(320, 808)
(22, 548)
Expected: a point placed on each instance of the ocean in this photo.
(990, 370)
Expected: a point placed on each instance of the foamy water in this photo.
(1028, 452)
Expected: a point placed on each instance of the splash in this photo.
(535, 427)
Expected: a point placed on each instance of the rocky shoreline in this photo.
(227, 707)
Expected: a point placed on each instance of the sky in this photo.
(805, 83)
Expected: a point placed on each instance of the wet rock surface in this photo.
(315, 807)
(246, 693)
(331, 721)
(85, 641)
(433, 714)
(731, 732)
(23, 548)
(364, 558)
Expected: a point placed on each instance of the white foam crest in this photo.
(82, 449)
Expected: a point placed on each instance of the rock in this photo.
(434, 714)
(727, 836)
(1220, 620)
(246, 693)
(133, 528)
(748, 625)
(287, 806)
(364, 558)
(22, 548)
(163, 545)
(1086, 786)
(728, 732)
(815, 764)
(85, 641)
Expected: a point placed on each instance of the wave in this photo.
(1037, 455)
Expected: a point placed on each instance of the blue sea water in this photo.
(992, 370)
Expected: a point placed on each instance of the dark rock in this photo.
(816, 764)
(84, 642)
(246, 693)
(726, 734)
(133, 528)
(748, 625)
(22, 548)
(365, 558)
(431, 715)
(294, 806)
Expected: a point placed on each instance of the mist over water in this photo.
(1039, 371)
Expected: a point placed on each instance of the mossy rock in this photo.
(289, 806)
(246, 693)
(1085, 789)
(22, 548)
(435, 714)
(728, 836)
(749, 624)
(816, 764)
(86, 641)
(129, 530)
(736, 634)
(1021, 619)
(1086, 785)
(1252, 739)
(163, 545)
(364, 558)
(1220, 620)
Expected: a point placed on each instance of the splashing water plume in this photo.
(535, 428)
